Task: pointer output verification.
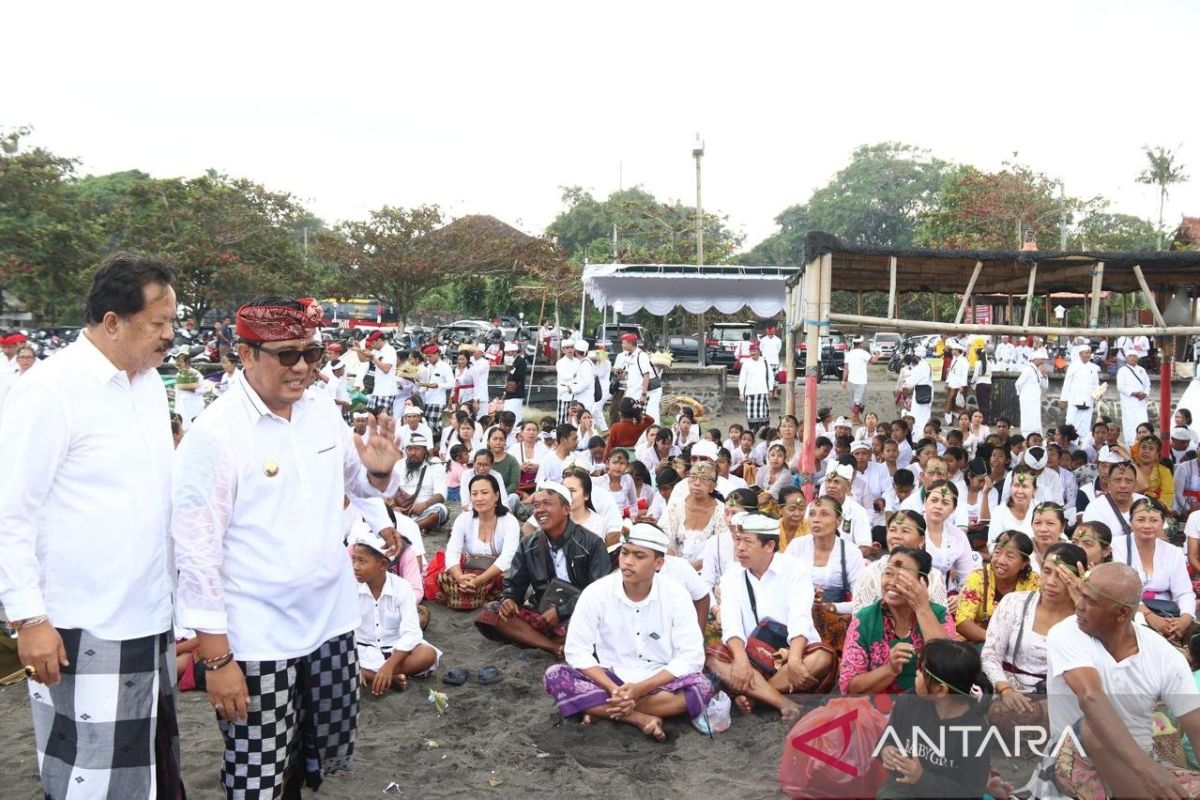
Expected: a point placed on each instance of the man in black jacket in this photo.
(557, 563)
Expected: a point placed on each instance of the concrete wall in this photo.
(706, 384)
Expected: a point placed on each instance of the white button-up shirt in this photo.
(635, 640)
(784, 593)
(257, 524)
(441, 374)
(85, 494)
(391, 622)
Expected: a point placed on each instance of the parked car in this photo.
(884, 344)
(723, 339)
(687, 348)
(832, 358)
(611, 333)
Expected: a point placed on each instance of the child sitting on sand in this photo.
(388, 639)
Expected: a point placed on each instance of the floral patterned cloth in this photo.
(974, 606)
(869, 643)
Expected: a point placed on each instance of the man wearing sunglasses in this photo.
(258, 498)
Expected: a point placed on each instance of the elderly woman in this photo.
(1169, 601)
(792, 506)
(946, 544)
(1008, 571)
(1095, 539)
(1014, 652)
(480, 549)
(1153, 478)
(690, 524)
(884, 639)
(774, 474)
(26, 358)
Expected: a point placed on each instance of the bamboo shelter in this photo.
(1020, 276)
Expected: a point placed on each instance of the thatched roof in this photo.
(857, 268)
(481, 243)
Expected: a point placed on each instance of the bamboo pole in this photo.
(967, 297)
(892, 309)
(1029, 293)
(1004, 330)
(789, 354)
(1149, 298)
(1097, 282)
(536, 347)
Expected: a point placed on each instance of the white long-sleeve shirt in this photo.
(441, 374)
(85, 497)
(1132, 379)
(920, 375)
(257, 523)
(565, 370)
(958, 375)
(583, 385)
(784, 593)
(635, 640)
(755, 377)
(391, 622)
(481, 370)
(1081, 380)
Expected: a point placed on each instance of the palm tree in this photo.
(1162, 172)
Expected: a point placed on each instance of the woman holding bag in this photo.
(834, 565)
(1168, 599)
(480, 550)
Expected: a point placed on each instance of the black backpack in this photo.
(597, 390)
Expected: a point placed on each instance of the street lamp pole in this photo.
(698, 153)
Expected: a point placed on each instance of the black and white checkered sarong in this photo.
(108, 729)
(758, 408)
(380, 402)
(433, 418)
(564, 407)
(303, 716)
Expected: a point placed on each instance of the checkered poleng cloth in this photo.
(564, 406)
(433, 418)
(758, 407)
(314, 695)
(379, 402)
(108, 729)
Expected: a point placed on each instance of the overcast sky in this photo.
(491, 107)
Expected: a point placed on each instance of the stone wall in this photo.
(706, 384)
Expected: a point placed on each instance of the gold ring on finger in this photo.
(30, 671)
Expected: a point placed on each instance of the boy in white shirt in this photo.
(388, 639)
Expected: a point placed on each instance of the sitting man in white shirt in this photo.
(388, 640)
(767, 586)
(412, 420)
(634, 651)
(422, 494)
(856, 522)
(1106, 676)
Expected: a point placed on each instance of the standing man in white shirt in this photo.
(634, 652)
(920, 381)
(1133, 386)
(583, 385)
(771, 346)
(333, 382)
(481, 370)
(565, 371)
(756, 387)
(435, 379)
(854, 373)
(85, 502)
(381, 360)
(956, 379)
(1030, 384)
(767, 585)
(1078, 398)
(258, 495)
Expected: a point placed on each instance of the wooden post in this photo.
(1009, 318)
(1148, 296)
(789, 352)
(962, 308)
(1166, 355)
(1097, 282)
(1029, 293)
(860, 302)
(934, 301)
(892, 310)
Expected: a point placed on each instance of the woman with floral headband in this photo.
(1049, 528)
(774, 475)
(1016, 513)
(699, 517)
(1168, 598)
(1008, 571)
(946, 544)
(834, 564)
(1014, 651)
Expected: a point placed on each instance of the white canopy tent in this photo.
(658, 288)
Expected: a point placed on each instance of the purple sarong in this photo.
(574, 692)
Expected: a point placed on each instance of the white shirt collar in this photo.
(388, 589)
(95, 363)
(622, 597)
(254, 404)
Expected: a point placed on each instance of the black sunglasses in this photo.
(291, 356)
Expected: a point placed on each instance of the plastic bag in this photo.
(828, 751)
(717, 717)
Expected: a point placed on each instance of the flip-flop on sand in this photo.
(456, 677)
(489, 675)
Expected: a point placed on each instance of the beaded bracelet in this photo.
(213, 664)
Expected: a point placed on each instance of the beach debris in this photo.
(392, 788)
(543, 755)
(431, 744)
(494, 781)
(440, 701)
